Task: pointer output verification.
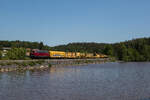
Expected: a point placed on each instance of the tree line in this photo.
(132, 50)
(18, 49)
(23, 44)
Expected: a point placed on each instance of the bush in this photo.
(16, 54)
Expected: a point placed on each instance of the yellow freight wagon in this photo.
(97, 56)
(89, 55)
(82, 55)
(103, 56)
(57, 54)
(78, 55)
(70, 55)
(61, 54)
(73, 55)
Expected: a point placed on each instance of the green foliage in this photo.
(1, 47)
(16, 54)
(41, 45)
(121, 51)
(23, 44)
(0, 54)
(133, 50)
(108, 50)
(49, 65)
(81, 47)
(136, 50)
(145, 51)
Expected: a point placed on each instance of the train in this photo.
(65, 55)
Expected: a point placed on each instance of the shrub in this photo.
(16, 54)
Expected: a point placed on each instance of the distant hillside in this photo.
(132, 50)
(25, 44)
(82, 47)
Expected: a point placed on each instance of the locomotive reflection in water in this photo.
(35, 53)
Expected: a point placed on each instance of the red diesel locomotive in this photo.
(39, 54)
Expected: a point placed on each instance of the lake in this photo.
(107, 81)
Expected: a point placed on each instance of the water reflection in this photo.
(109, 81)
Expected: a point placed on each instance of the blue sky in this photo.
(63, 21)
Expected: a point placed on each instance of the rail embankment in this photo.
(38, 64)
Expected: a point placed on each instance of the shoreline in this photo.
(40, 64)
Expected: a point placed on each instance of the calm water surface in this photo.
(109, 81)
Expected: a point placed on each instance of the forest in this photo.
(131, 50)
(23, 44)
